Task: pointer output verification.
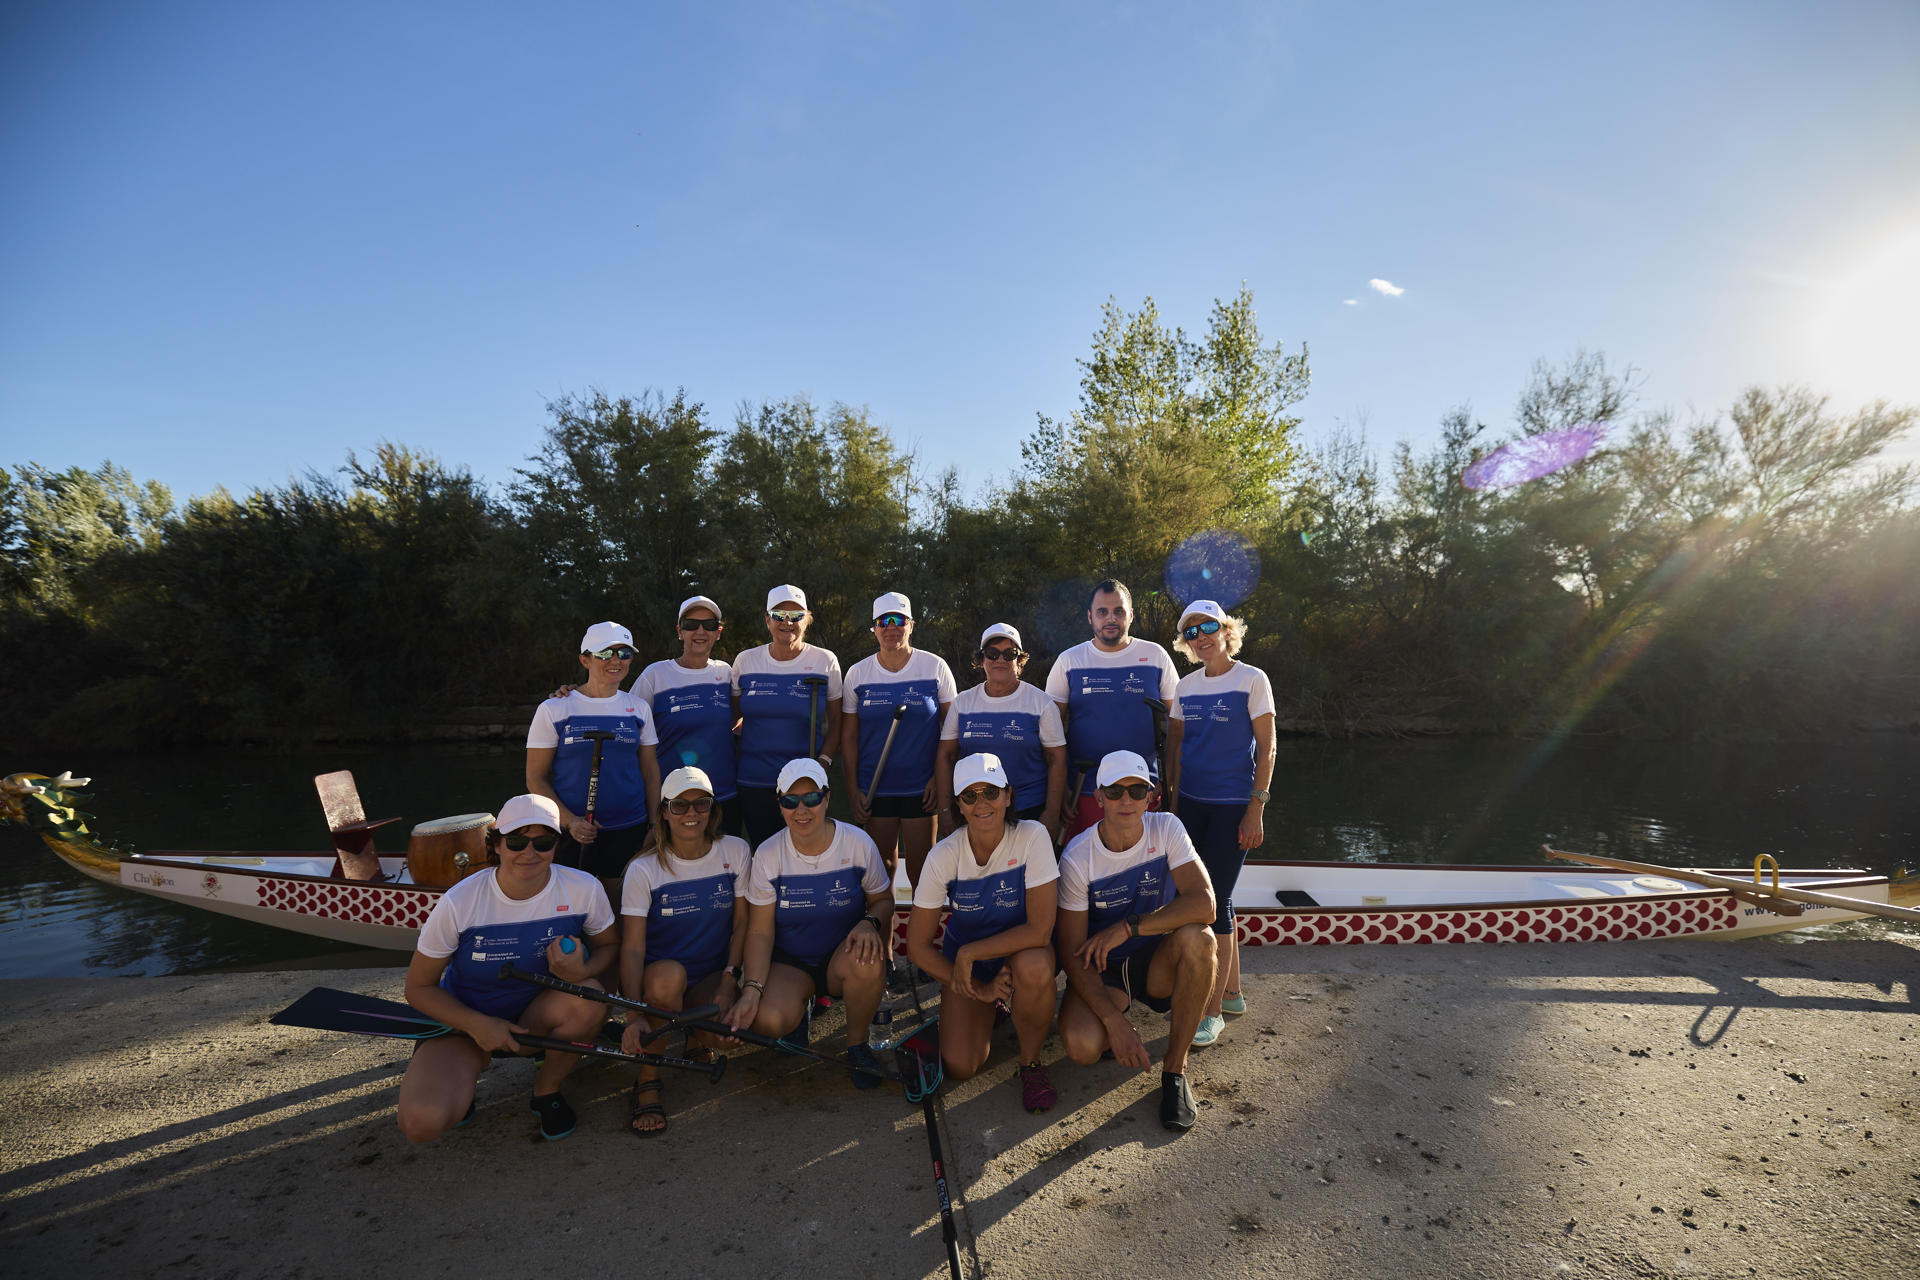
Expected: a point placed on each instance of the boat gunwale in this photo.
(180, 858)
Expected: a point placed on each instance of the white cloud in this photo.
(1351, 302)
(1388, 287)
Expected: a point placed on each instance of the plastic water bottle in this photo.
(880, 1030)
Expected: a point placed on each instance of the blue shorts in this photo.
(1215, 832)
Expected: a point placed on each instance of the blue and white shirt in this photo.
(1017, 728)
(693, 714)
(1109, 885)
(1104, 694)
(925, 685)
(774, 713)
(1216, 749)
(817, 898)
(990, 899)
(559, 723)
(688, 903)
(477, 928)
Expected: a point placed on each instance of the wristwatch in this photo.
(1133, 924)
(1262, 794)
(735, 971)
(878, 927)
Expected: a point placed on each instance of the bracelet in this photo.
(752, 984)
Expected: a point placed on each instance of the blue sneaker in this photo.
(1209, 1029)
(868, 1074)
(801, 1036)
(556, 1117)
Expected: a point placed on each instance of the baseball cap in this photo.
(785, 593)
(804, 767)
(1116, 766)
(982, 766)
(694, 602)
(527, 811)
(602, 635)
(892, 602)
(1203, 609)
(1001, 629)
(684, 779)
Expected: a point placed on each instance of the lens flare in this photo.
(1214, 564)
(1534, 457)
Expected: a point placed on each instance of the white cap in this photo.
(1001, 629)
(1116, 766)
(804, 767)
(1203, 609)
(785, 593)
(528, 811)
(983, 766)
(694, 602)
(604, 635)
(892, 602)
(684, 779)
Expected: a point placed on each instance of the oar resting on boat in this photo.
(1775, 897)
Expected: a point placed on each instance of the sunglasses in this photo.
(985, 791)
(892, 620)
(811, 799)
(1206, 628)
(517, 842)
(1138, 790)
(699, 624)
(1003, 655)
(690, 806)
(618, 652)
(787, 615)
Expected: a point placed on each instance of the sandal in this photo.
(1177, 1111)
(1036, 1091)
(637, 1108)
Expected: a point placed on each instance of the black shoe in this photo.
(556, 1117)
(1177, 1111)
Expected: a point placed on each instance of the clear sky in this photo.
(238, 240)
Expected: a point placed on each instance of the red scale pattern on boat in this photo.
(360, 903)
(1577, 922)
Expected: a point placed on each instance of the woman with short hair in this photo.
(786, 697)
(904, 793)
(691, 698)
(1016, 722)
(1219, 766)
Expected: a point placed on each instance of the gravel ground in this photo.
(1651, 1109)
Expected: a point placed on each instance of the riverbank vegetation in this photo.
(1752, 575)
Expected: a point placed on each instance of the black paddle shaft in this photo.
(886, 749)
(814, 684)
(599, 737)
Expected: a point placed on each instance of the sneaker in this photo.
(868, 1074)
(1177, 1109)
(1209, 1029)
(1036, 1091)
(802, 1034)
(1235, 1003)
(556, 1117)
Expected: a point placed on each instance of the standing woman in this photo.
(596, 729)
(1016, 722)
(1000, 878)
(683, 909)
(905, 799)
(1219, 766)
(691, 699)
(786, 697)
(519, 910)
(820, 921)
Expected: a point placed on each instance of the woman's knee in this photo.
(1032, 968)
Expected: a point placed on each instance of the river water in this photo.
(1432, 800)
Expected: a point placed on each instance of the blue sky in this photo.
(239, 240)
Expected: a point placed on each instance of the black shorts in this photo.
(902, 807)
(1032, 813)
(815, 970)
(608, 855)
(1129, 974)
(759, 810)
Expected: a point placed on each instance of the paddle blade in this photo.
(324, 1009)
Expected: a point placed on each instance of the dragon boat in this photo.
(355, 895)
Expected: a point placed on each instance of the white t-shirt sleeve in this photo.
(833, 675)
(1259, 694)
(544, 732)
(1041, 866)
(931, 889)
(760, 881)
(849, 693)
(1173, 833)
(649, 737)
(1057, 679)
(1073, 883)
(943, 678)
(742, 863)
(1053, 733)
(950, 726)
(636, 891)
(1169, 678)
(876, 879)
(1173, 703)
(642, 686)
(599, 911)
(440, 935)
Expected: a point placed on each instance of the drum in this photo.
(447, 850)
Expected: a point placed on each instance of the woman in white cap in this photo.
(905, 795)
(691, 698)
(819, 921)
(521, 909)
(1219, 766)
(1015, 721)
(683, 911)
(786, 696)
(998, 876)
(591, 752)
(1134, 908)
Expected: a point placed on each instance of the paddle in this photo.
(1744, 887)
(886, 749)
(813, 686)
(325, 1009)
(600, 739)
(697, 1020)
(1070, 813)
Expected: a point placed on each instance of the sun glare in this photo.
(1867, 331)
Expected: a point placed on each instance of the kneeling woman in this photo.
(999, 878)
(683, 911)
(818, 922)
(521, 910)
